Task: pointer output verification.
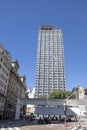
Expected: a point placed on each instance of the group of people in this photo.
(45, 120)
(50, 119)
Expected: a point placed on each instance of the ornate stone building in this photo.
(16, 89)
(12, 86)
(5, 67)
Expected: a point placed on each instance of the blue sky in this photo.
(19, 23)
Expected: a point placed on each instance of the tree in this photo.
(43, 97)
(61, 94)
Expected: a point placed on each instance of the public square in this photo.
(31, 126)
(21, 125)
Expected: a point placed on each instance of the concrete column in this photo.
(17, 114)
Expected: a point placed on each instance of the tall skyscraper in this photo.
(50, 74)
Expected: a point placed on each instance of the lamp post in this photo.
(65, 110)
(65, 105)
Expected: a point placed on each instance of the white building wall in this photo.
(81, 92)
(31, 108)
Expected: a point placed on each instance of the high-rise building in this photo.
(50, 75)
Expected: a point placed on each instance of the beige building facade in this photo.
(16, 89)
(5, 67)
(12, 85)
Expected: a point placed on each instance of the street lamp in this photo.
(65, 105)
(65, 109)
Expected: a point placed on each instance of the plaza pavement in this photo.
(21, 125)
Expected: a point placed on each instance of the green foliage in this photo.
(61, 94)
(43, 97)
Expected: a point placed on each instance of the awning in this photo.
(53, 111)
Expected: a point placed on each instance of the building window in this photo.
(0, 66)
(1, 59)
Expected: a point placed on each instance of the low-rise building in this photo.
(79, 92)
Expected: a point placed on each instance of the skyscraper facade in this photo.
(50, 75)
